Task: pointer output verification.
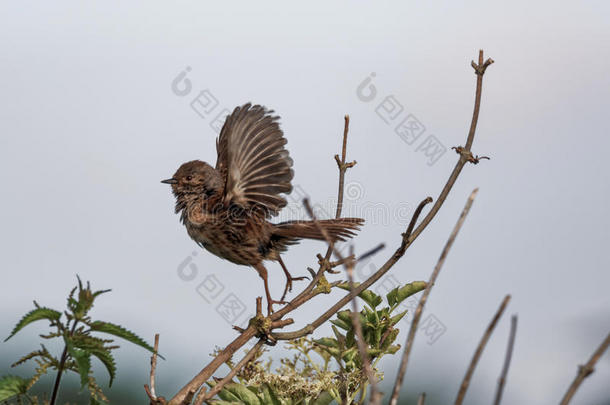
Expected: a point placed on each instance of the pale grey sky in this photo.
(89, 124)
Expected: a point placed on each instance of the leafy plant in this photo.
(337, 373)
(76, 329)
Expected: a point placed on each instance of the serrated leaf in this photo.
(11, 385)
(107, 360)
(117, 330)
(83, 362)
(243, 393)
(326, 341)
(407, 290)
(34, 315)
(323, 399)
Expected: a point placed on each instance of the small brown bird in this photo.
(226, 209)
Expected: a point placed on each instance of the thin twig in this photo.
(421, 399)
(218, 387)
(151, 391)
(479, 351)
(366, 362)
(422, 302)
(585, 371)
(509, 355)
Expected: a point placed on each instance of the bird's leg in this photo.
(262, 271)
(289, 278)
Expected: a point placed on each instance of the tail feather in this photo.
(338, 229)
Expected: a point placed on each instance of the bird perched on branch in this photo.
(226, 209)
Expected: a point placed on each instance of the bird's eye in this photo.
(189, 178)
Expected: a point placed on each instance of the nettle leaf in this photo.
(367, 295)
(34, 315)
(117, 330)
(11, 385)
(107, 359)
(399, 294)
(83, 362)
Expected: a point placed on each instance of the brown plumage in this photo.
(226, 209)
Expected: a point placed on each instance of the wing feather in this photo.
(252, 160)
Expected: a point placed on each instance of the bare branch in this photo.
(585, 371)
(509, 355)
(151, 391)
(422, 302)
(421, 399)
(479, 351)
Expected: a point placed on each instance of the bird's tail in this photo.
(338, 229)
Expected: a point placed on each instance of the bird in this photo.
(227, 209)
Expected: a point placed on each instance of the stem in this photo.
(60, 370)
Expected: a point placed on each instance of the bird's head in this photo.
(193, 180)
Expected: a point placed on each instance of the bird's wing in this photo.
(252, 160)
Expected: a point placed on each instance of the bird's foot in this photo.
(270, 303)
(289, 280)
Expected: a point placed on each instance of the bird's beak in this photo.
(169, 181)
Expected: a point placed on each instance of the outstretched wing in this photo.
(252, 160)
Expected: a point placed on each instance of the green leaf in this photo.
(243, 393)
(341, 324)
(407, 290)
(345, 316)
(34, 315)
(389, 339)
(117, 330)
(107, 360)
(393, 349)
(367, 295)
(83, 362)
(396, 318)
(11, 385)
(323, 399)
(269, 397)
(326, 341)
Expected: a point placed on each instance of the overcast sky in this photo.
(94, 113)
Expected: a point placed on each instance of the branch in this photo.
(421, 399)
(509, 355)
(151, 391)
(585, 371)
(479, 351)
(420, 307)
